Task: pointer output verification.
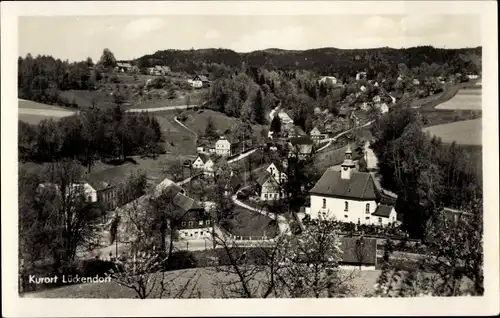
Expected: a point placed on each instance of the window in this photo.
(345, 168)
(190, 223)
(183, 223)
(196, 233)
(367, 208)
(265, 195)
(207, 222)
(324, 203)
(379, 220)
(346, 206)
(346, 216)
(367, 218)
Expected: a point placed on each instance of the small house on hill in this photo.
(277, 170)
(200, 161)
(328, 80)
(319, 133)
(200, 81)
(123, 67)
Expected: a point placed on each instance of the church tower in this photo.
(348, 165)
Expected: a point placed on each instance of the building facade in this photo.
(224, 147)
(349, 196)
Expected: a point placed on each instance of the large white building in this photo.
(349, 196)
(223, 147)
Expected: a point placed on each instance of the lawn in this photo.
(195, 98)
(32, 112)
(198, 120)
(468, 132)
(199, 283)
(250, 223)
(103, 99)
(177, 138)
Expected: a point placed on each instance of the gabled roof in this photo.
(383, 210)
(185, 203)
(263, 176)
(202, 78)
(109, 177)
(121, 64)
(168, 188)
(228, 138)
(203, 157)
(366, 254)
(360, 186)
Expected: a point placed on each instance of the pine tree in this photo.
(258, 106)
(210, 130)
(276, 124)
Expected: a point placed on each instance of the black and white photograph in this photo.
(312, 150)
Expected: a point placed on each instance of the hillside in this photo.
(323, 60)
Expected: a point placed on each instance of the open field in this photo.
(195, 98)
(198, 120)
(103, 99)
(33, 112)
(464, 99)
(468, 132)
(23, 103)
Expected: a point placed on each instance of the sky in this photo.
(76, 38)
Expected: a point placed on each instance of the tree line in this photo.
(42, 78)
(424, 172)
(92, 135)
(324, 61)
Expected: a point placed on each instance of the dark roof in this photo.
(263, 176)
(383, 210)
(186, 203)
(109, 177)
(202, 78)
(302, 140)
(352, 254)
(203, 157)
(359, 186)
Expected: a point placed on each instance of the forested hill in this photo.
(325, 61)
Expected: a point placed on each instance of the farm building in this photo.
(123, 67)
(200, 81)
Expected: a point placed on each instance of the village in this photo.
(199, 166)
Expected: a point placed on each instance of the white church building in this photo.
(349, 196)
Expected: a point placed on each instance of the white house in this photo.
(223, 147)
(277, 173)
(89, 192)
(360, 75)
(330, 79)
(363, 88)
(376, 99)
(208, 168)
(349, 196)
(384, 108)
(200, 161)
(268, 187)
(472, 76)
